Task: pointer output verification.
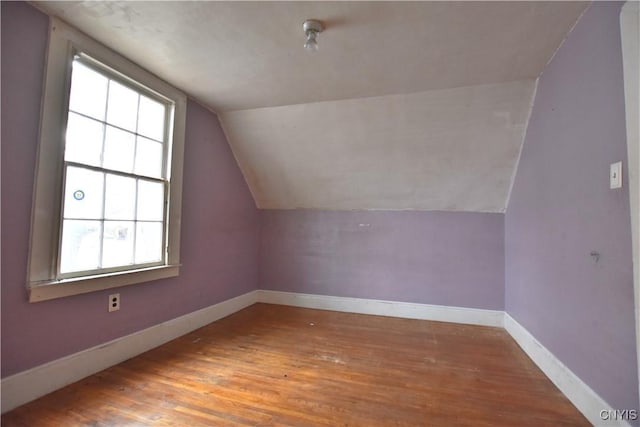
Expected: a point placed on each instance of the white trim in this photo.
(630, 35)
(440, 313)
(28, 385)
(64, 40)
(63, 288)
(580, 394)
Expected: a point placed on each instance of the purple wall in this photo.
(219, 223)
(562, 209)
(445, 258)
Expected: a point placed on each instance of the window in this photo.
(109, 174)
(114, 174)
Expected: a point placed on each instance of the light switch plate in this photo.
(615, 175)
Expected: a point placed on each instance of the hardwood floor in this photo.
(274, 365)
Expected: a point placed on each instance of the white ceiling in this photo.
(449, 149)
(235, 56)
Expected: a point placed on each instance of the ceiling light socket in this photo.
(311, 29)
(312, 25)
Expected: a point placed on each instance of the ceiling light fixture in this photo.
(311, 29)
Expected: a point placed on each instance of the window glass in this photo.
(88, 94)
(151, 118)
(83, 194)
(80, 245)
(150, 200)
(120, 197)
(119, 149)
(113, 213)
(148, 157)
(122, 108)
(83, 140)
(118, 241)
(149, 235)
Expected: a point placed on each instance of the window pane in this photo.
(118, 244)
(119, 149)
(122, 110)
(148, 158)
(151, 118)
(150, 200)
(83, 194)
(148, 242)
(120, 197)
(84, 140)
(88, 91)
(80, 246)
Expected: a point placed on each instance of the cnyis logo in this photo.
(619, 414)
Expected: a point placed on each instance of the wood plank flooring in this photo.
(270, 365)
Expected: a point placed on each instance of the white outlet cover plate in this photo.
(615, 175)
(113, 307)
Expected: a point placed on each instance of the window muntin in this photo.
(110, 152)
(116, 188)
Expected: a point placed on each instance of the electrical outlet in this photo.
(114, 302)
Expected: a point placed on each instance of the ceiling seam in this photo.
(564, 39)
(398, 94)
(524, 138)
(237, 160)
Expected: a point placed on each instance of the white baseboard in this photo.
(28, 385)
(440, 313)
(580, 394)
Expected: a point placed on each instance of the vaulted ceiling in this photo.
(407, 105)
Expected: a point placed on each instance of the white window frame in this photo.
(43, 282)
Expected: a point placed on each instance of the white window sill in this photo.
(61, 288)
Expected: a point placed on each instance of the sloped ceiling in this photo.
(408, 105)
(449, 149)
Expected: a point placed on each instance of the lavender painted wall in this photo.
(219, 223)
(445, 258)
(562, 209)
